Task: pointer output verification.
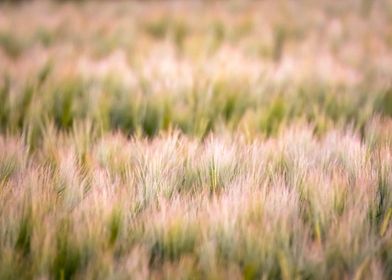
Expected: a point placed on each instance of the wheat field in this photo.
(196, 140)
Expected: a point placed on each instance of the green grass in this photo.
(220, 141)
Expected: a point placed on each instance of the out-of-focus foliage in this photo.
(195, 140)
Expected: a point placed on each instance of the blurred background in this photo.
(197, 66)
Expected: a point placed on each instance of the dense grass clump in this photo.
(171, 140)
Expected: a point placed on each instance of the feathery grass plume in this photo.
(156, 140)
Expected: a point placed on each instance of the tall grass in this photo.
(186, 141)
(317, 208)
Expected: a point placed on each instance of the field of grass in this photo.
(196, 140)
